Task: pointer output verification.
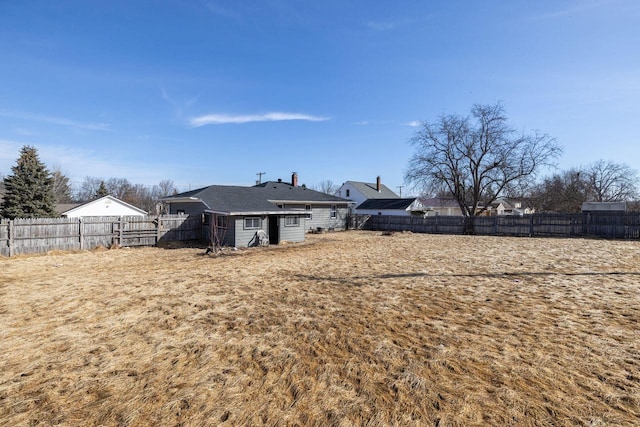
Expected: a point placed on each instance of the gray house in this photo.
(281, 211)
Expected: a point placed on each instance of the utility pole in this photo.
(259, 181)
(400, 188)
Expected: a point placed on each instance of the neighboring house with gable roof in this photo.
(403, 207)
(517, 207)
(104, 206)
(359, 192)
(284, 211)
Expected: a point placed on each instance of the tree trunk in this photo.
(469, 225)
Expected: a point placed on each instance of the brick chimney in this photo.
(294, 179)
(378, 183)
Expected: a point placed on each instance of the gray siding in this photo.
(230, 233)
(244, 237)
(291, 233)
(322, 217)
(237, 236)
(189, 208)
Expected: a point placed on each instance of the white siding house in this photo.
(359, 192)
(104, 206)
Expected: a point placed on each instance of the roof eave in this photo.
(248, 213)
(311, 202)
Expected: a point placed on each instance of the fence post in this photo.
(11, 231)
(120, 230)
(159, 230)
(81, 232)
(531, 225)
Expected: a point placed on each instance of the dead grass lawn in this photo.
(346, 329)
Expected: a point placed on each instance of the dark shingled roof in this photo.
(259, 198)
(386, 203)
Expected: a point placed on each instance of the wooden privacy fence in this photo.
(39, 235)
(606, 225)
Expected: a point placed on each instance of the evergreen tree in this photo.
(29, 190)
(102, 190)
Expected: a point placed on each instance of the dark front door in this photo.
(274, 232)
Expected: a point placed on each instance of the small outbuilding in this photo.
(104, 206)
(604, 207)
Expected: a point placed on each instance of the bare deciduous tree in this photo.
(326, 186)
(165, 188)
(88, 189)
(139, 195)
(476, 158)
(612, 182)
(562, 192)
(61, 186)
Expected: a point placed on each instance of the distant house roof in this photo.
(440, 202)
(369, 190)
(395, 204)
(64, 207)
(260, 198)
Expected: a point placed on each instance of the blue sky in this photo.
(212, 92)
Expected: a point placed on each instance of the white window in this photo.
(309, 214)
(291, 221)
(252, 223)
(334, 212)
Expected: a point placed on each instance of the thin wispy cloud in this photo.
(413, 123)
(178, 106)
(381, 26)
(224, 12)
(25, 132)
(220, 119)
(9, 151)
(59, 121)
(397, 24)
(581, 8)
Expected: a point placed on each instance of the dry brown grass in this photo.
(347, 329)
